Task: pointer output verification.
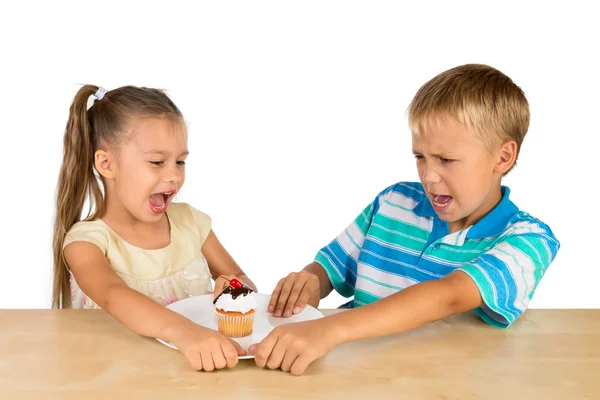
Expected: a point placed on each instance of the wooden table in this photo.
(84, 354)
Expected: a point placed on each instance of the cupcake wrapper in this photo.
(235, 326)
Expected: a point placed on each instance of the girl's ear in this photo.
(105, 164)
(507, 156)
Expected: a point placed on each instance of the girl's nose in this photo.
(174, 175)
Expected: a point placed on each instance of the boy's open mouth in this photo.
(441, 201)
(160, 201)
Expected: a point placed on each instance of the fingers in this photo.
(218, 289)
(195, 360)
(263, 349)
(290, 356)
(310, 289)
(284, 295)
(207, 360)
(293, 297)
(219, 285)
(275, 296)
(239, 350)
(218, 357)
(279, 351)
(208, 350)
(252, 348)
(231, 355)
(230, 350)
(276, 356)
(300, 365)
(292, 293)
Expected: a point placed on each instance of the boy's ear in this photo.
(104, 163)
(506, 157)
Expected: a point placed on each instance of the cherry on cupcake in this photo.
(235, 283)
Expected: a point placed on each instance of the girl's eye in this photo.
(419, 157)
(180, 162)
(445, 160)
(156, 162)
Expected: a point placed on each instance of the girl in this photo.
(137, 251)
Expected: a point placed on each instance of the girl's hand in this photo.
(293, 293)
(222, 266)
(292, 347)
(223, 281)
(205, 348)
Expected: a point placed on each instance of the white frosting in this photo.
(241, 304)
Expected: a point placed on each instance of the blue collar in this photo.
(492, 224)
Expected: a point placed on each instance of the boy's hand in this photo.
(205, 348)
(292, 347)
(293, 293)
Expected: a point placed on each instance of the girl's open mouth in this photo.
(160, 201)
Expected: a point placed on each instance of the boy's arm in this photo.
(503, 279)
(317, 269)
(334, 267)
(408, 309)
(292, 347)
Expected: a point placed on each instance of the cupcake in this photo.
(235, 308)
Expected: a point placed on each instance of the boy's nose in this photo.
(429, 175)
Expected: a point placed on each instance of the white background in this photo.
(296, 114)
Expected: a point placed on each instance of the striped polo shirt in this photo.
(398, 241)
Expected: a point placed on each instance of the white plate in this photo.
(200, 309)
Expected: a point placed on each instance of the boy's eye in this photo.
(445, 160)
(156, 162)
(418, 157)
(180, 162)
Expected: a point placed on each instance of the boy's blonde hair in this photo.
(479, 96)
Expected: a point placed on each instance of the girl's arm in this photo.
(220, 263)
(143, 315)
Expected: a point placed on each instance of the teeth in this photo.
(436, 197)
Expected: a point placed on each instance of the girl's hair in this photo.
(105, 124)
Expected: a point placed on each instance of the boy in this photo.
(421, 252)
